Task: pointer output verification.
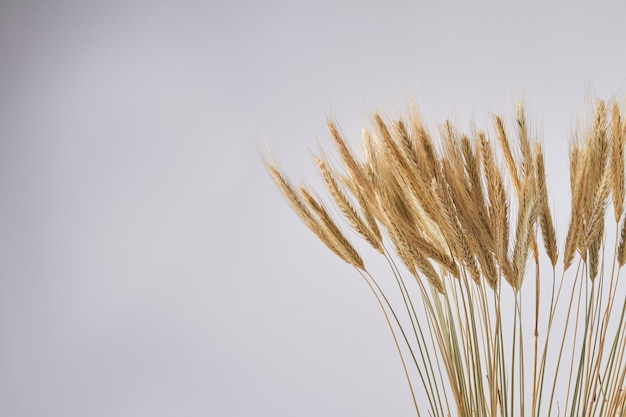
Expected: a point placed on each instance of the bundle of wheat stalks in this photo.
(468, 230)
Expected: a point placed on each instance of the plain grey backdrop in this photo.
(148, 266)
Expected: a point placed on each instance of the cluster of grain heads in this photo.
(596, 173)
(315, 215)
(449, 206)
(464, 214)
(445, 208)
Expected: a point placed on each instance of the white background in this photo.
(149, 267)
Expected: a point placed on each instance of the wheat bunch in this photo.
(467, 230)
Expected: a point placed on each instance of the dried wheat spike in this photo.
(595, 221)
(293, 198)
(349, 212)
(618, 142)
(354, 168)
(524, 140)
(527, 215)
(545, 219)
(508, 155)
(621, 249)
(580, 188)
(498, 205)
(330, 233)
